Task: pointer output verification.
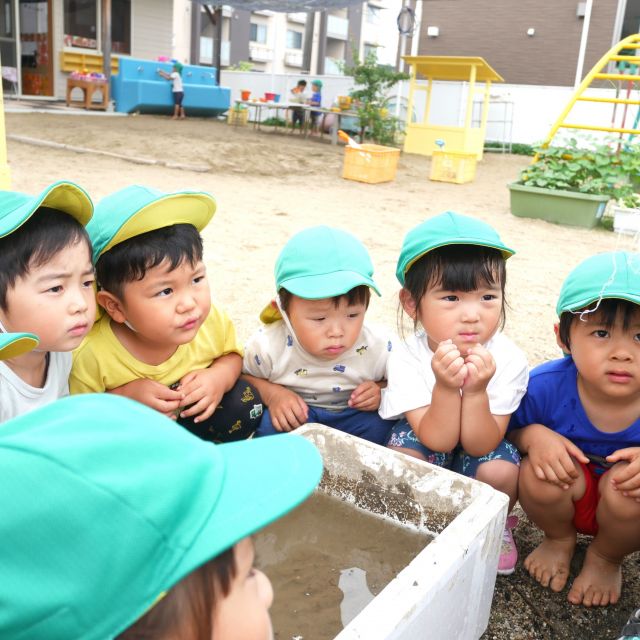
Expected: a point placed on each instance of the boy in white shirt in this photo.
(315, 360)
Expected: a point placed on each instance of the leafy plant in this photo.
(373, 82)
(241, 65)
(599, 168)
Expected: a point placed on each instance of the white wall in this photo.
(181, 38)
(151, 28)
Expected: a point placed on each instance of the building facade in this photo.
(526, 42)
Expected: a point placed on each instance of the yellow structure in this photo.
(599, 73)
(421, 136)
(5, 174)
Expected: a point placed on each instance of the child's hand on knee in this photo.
(202, 389)
(152, 394)
(288, 410)
(626, 478)
(366, 396)
(552, 458)
(448, 365)
(480, 369)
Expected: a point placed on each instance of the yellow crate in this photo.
(453, 166)
(370, 163)
(239, 118)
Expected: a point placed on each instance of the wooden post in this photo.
(106, 39)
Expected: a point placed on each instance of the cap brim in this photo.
(264, 479)
(13, 345)
(577, 305)
(327, 285)
(196, 209)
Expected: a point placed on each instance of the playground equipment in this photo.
(421, 136)
(599, 72)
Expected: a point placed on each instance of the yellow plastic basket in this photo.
(238, 117)
(370, 163)
(453, 166)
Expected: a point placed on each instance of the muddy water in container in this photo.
(327, 560)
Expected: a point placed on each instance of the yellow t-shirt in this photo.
(101, 362)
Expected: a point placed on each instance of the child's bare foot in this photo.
(598, 584)
(549, 562)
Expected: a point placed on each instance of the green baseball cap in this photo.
(16, 208)
(615, 274)
(446, 229)
(134, 210)
(321, 262)
(106, 504)
(15, 344)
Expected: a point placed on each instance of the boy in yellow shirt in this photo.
(162, 342)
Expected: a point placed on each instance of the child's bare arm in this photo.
(626, 479)
(550, 454)
(203, 389)
(288, 410)
(367, 396)
(164, 74)
(152, 394)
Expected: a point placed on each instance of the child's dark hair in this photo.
(357, 295)
(186, 611)
(608, 310)
(130, 260)
(302, 83)
(46, 233)
(456, 267)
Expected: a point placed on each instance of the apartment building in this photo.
(528, 41)
(315, 43)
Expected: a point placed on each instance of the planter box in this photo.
(626, 221)
(562, 207)
(446, 591)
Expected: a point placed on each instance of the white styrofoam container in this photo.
(626, 221)
(446, 591)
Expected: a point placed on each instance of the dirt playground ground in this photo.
(268, 186)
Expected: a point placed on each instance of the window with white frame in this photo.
(294, 39)
(258, 33)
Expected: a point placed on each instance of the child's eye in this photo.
(164, 292)
(88, 283)
(489, 296)
(56, 289)
(600, 333)
(355, 314)
(451, 298)
(198, 279)
(318, 319)
(637, 337)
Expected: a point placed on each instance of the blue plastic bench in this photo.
(138, 87)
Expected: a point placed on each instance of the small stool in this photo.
(88, 87)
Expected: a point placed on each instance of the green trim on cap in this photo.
(611, 275)
(136, 209)
(16, 208)
(13, 345)
(444, 230)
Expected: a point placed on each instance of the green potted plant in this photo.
(572, 183)
(626, 214)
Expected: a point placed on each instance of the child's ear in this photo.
(561, 344)
(111, 305)
(408, 303)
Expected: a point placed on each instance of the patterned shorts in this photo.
(458, 460)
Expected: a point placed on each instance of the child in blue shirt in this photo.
(315, 101)
(579, 427)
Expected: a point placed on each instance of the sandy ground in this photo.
(270, 185)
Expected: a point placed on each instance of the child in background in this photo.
(177, 89)
(455, 383)
(316, 360)
(46, 288)
(162, 342)
(298, 96)
(579, 426)
(146, 527)
(315, 101)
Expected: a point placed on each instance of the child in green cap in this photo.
(162, 341)
(315, 360)
(454, 384)
(138, 530)
(46, 289)
(579, 426)
(177, 89)
(315, 101)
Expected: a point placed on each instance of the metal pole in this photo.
(106, 39)
(583, 43)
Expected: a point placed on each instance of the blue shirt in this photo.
(552, 400)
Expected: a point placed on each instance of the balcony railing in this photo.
(293, 58)
(260, 53)
(337, 28)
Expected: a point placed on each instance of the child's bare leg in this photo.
(176, 112)
(600, 581)
(182, 113)
(502, 476)
(551, 508)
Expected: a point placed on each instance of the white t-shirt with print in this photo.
(274, 354)
(410, 378)
(18, 397)
(177, 81)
